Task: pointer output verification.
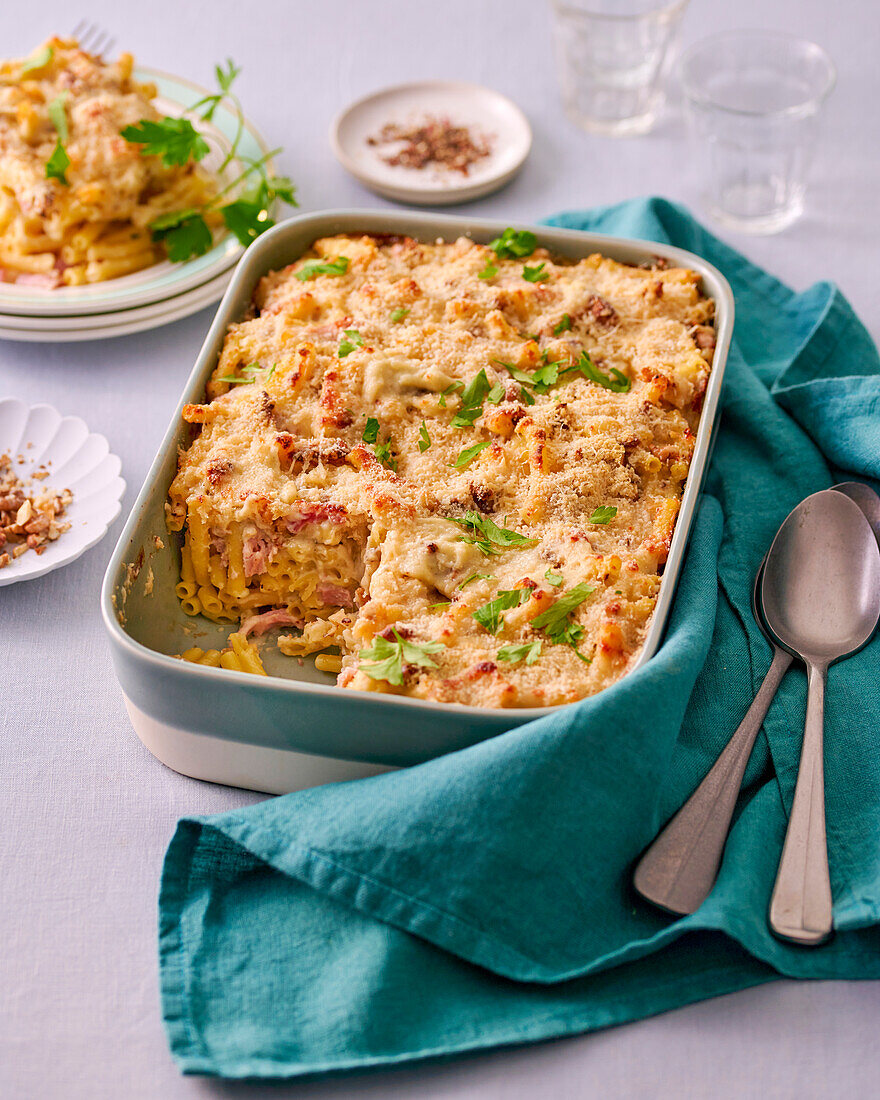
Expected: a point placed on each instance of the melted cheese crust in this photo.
(280, 466)
(97, 227)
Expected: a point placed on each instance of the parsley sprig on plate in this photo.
(386, 659)
(186, 232)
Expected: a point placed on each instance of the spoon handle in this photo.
(800, 908)
(679, 870)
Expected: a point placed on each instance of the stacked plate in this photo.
(156, 295)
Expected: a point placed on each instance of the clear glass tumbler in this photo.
(612, 59)
(754, 99)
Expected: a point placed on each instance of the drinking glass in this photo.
(612, 59)
(754, 99)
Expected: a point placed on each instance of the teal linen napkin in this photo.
(484, 898)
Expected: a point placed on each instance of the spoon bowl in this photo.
(820, 592)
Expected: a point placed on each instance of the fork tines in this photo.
(92, 38)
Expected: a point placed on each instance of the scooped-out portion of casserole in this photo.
(457, 465)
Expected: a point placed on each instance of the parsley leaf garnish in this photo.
(495, 395)
(456, 385)
(175, 140)
(312, 268)
(489, 615)
(555, 579)
(382, 451)
(472, 401)
(603, 514)
(184, 233)
(424, 438)
(563, 325)
(57, 109)
(37, 60)
(556, 622)
(397, 315)
(477, 576)
(515, 372)
(617, 381)
(488, 272)
(249, 372)
(470, 453)
(535, 274)
(388, 658)
(248, 215)
(353, 339)
(514, 243)
(528, 652)
(487, 536)
(58, 164)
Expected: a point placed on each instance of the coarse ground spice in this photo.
(434, 141)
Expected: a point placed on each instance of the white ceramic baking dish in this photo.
(296, 728)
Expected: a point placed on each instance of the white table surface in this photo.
(88, 812)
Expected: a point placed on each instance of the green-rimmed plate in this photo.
(165, 279)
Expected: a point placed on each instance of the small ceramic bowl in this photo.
(38, 436)
(487, 114)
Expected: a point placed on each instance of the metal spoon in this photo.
(820, 594)
(679, 869)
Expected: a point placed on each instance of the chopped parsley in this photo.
(57, 109)
(515, 372)
(487, 536)
(248, 372)
(452, 388)
(470, 453)
(562, 325)
(555, 579)
(397, 315)
(535, 274)
(495, 395)
(556, 622)
(352, 339)
(617, 381)
(387, 659)
(424, 438)
(57, 164)
(312, 268)
(382, 451)
(528, 652)
(175, 140)
(488, 272)
(37, 60)
(603, 514)
(472, 399)
(514, 244)
(489, 615)
(475, 577)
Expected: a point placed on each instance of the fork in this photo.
(92, 38)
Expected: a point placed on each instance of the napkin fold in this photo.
(484, 898)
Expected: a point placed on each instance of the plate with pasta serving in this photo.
(122, 187)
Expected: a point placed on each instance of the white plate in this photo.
(485, 112)
(77, 460)
(119, 324)
(161, 280)
(36, 328)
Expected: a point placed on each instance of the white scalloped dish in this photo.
(76, 459)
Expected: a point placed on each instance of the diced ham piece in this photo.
(306, 512)
(49, 279)
(256, 554)
(335, 594)
(268, 620)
